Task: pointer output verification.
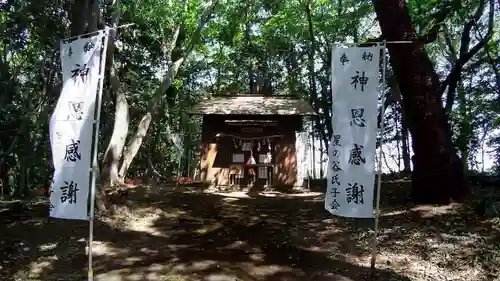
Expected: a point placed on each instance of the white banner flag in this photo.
(71, 127)
(351, 165)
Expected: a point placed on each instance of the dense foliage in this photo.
(179, 52)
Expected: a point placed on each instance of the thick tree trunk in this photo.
(84, 16)
(134, 144)
(113, 154)
(438, 175)
(143, 127)
(155, 102)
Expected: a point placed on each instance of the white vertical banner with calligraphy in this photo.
(71, 127)
(351, 165)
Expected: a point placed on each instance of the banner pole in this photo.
(188, 160)
(308, 163)
(89, 33)
(179, 166)
(97, 116)
(379, 178)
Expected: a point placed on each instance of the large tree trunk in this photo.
(84, 16)
(113, 154)
(437, 175)
(153, 104)
(135, 143)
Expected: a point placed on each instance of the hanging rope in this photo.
(245, 138)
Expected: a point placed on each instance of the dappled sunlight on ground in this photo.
(242, 194)
(144, 223)
(167, 235)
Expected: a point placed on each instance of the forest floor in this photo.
(161, 234)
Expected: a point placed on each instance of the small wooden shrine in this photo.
(249, 139)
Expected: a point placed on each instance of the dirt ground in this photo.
(163, 234)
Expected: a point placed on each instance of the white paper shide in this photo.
(71, 127)
(351, 166)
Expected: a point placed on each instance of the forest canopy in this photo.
(442, 100)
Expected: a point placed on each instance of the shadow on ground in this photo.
(192, 236)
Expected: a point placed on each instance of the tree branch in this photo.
(205, 17)
(465, 53)
(168, 47)
(388, 100)
(174, 68)
(491, 61)
(438, 18)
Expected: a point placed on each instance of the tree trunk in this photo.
(84, 16)
(397, 112)
(155, 103)
(134, 144)
(21, 188)
(252, 85)
(466, 53)
(438, 175)
(313, 93)
(397, 98)
(465, 131)
(113, 154)
(404, 145)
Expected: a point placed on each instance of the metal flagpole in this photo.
(97, 116)
(308, 164)
(179, 168)
(189, 162)
(374, 43)
(313, 156)
(379, 178)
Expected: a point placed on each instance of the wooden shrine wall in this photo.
(216, 152)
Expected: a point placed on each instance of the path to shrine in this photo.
(173, 235)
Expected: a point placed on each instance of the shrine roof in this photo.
(252, 105)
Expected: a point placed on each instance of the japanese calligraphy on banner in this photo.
(71, 127)
(351, 166)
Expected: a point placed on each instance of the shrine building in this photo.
(249, 139)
